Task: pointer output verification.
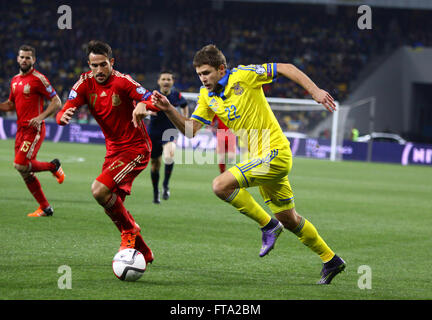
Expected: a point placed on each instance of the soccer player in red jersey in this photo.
(226, 144)
(111, 98)
(28, 90)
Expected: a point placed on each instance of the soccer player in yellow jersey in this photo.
(236, 97)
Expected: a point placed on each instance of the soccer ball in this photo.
(128, 265)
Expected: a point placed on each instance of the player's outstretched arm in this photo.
(185, 111)
(321, 96)
(65, 115)
(53, 106)
(187, 126)
(139, 113)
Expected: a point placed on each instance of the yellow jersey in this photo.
(240, 103)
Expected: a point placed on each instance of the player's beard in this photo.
(26, 68)
(103, 80)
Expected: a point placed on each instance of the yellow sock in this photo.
(243, 202)
(309, 236)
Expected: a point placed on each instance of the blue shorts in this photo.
(159, 139)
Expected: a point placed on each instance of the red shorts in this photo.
(28, 141)
(120, 170)
(226, 141)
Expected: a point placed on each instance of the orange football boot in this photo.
(58, 171)
(48, 212)
(128, 238)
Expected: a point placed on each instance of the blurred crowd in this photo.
(323, 41)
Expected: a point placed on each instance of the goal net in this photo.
(311, 129)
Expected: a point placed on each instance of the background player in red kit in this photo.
(110, 96)
(27, 92)
(226, 144)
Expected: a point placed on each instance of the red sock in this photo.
(115, 209)
(222, 167)
(113, 218)
(140, 244)
(142, 247)
(35, 189)
(37, 166)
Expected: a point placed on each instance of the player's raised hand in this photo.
(67, 116)
(160, 101)
(323, 97)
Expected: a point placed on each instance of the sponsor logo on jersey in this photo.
(238, 90)
(116, 100)
(259, 69)
(26, 89)
(140, 90)
(269, 70)
(213, 104)
(72, 95)
(148, 94)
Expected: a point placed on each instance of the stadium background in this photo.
(323, 40)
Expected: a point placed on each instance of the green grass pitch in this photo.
(374, 215)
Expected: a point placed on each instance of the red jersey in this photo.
(27, 92)
(112, 104)
(220, 124)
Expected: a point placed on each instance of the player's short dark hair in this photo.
(210, 55)
(99, 47)
(166, 71)
(26, 47)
